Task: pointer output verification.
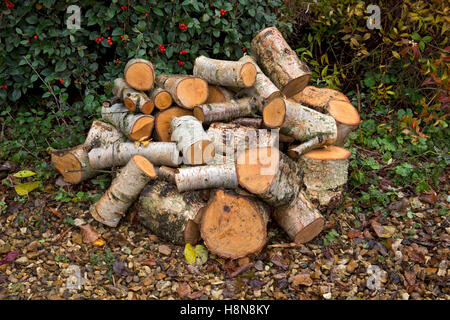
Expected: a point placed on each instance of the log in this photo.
(109, 102)
(269, 174)
(229, 138)
(312, 128)
(135, 126)
(279, 62)
(225, 73)
(132, 99)
(117, 155)
(124, 189)
(325, 175)
(318, 98)
(234, 226)
(162, 122)
(186, 91)
(218, 94)
(73, 164)
(301, 220)
(192, 140)
(225, 111)
(161, 98)
(249, 122)
(139, 74)
(169, 214)
(166, 173)
(206, 177)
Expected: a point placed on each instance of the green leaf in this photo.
(158, 12)
(24, 188)
(24, 174)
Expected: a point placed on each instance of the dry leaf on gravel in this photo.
(416, 253)
(303, 279)
(183, 290)
(88, 233)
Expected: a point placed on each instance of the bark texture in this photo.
(206, 177)
(249, 122)
(225, 111)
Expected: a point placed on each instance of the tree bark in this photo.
(279, 62)
(206, 177)
(225, 111)
(166, 173)
(225, 73)
(255, 123)
(124, 189)
(139, 74)
(234, 226)
(168, 213)
(186, 91)
(192, 140)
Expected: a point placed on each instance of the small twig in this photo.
(64, 234)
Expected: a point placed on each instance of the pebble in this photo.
(162, 285)
(351, 266)
(22, 260)
(404, 296)
(164, 249)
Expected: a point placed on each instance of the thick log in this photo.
(124, 189)
(325, 174)
(191, 140)
(318, 98)
(161, 98)
(134, 126)
(301, 220)
(310, 127)
(218, 94)
(225, 111)
(162, 122)
(234, 226)
(186, 91)
(169, 214)
(206, 177)
(139, 74)
(225, 73)
(117, 155)
(269, 174)
(279, 62)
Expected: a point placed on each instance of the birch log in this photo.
(132, 99)
(124, 189)
(234, 226)
(186, 91)
(162, 122)
(192, 140)
(255, 123)
(269, 174)
(279, 62)
(168, 213)
(318, 98)
(206, 177)
(116, 155)
(225, 111)
(139, 74)
(161, 98)
(225, 73)
(134, 126)
(218, 94)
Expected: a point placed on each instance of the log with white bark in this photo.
(256, 123)
(269, 174)
(218, 94)
(116, 155)
(134, 126)
(139, 74)
(113, 100)
(234, 226)
(325, 174)
(225, 73)
(301, 220)
(166, 173)
(225, 111)
(124, 190)
(191, 140)
(73, 164)
(132, 99)
(169, 214)
(186, 91)
(310, 127)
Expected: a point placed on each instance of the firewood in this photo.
(206, 177)
(166, 173)
(131, 98)
(301, 220)
(279, 62)
(225, 73)
(113, 100)
(325, 174)
(161, 98)
(218, 94)
(234, 226)
(249, 122)
(318, 97)
(117, 155)
(310, 127)
(139, 74)
(169, 214)
(186, 91)
(135, 126)
(269, 174)
(73, 164)
(124, 189)
(225, 111)
(192, 140)
(228, 138)
(162, 122)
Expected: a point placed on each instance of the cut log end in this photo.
(344, 112)
(310, 231)
(256, 168)
(248, 74)
(145, 165)
(217, 94)
(140, 75)
(129, 104)
(274, 113)
(200, 152)
(198, 113)
(328, 153)
(296, 85)
(68, 166)
(192, 92)
(142, 128)
(163, 100)
(232, 227)
(162, 122)
(319, 97)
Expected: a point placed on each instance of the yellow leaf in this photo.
(98, 243)
(24, 174)
(395, 54)
(24, 188)
(202, 254)
(190, 254)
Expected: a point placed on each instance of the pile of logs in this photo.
(217, 154)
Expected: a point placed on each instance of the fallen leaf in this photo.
(88, 233)
(429, 198)
(120, 268)
(183, 290)
(382, 231)
(190, 254)
(24, 174)
(197, 255)
(99, 243)
(278, 261)
(9, 257)
(303, 279)
(354, 234)
(56, 213)
(416, 253)
(241, 269)
(164, 249)
(202, 254)
(24, 188)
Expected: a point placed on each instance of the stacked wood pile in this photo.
(216, 154)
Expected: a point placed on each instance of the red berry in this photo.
(35, 37)
(4, 86)
(146, 14)
(180, 63)
(61, 80)
(108, 28)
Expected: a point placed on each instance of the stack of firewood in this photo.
(216, 154)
